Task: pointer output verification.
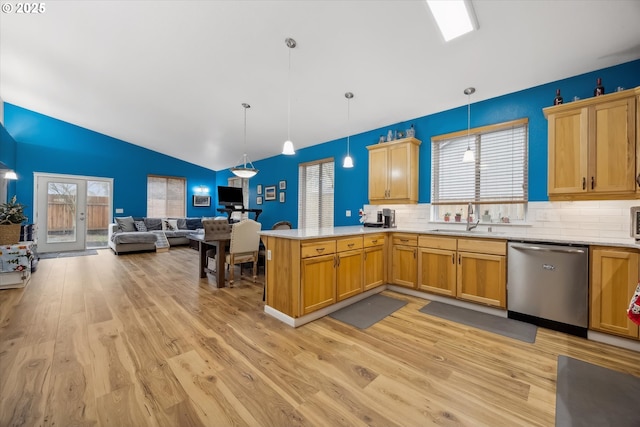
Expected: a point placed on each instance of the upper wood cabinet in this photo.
(592, 147)
(393, 171)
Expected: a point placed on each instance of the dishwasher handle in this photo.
(547, 249)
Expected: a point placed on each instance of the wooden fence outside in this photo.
(61, 213)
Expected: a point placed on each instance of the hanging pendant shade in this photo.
(469, 157)
(348, 161)
(287, 148)
(246, 168)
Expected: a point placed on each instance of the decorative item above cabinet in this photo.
(593, 148)
(393, 172)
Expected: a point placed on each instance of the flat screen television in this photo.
(230, 196)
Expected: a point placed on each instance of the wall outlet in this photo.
(348, 213)
(268, 255)
(119, 210)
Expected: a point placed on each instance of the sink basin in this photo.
(465, 232)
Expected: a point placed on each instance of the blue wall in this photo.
(351, 187)
(49, 145)
(8, 149)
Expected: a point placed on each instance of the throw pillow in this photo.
(125, 223)
(194, 223)
(169, 224)
(140, 226)
(153, 224)
(182, 223)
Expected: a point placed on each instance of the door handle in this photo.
(584, 183)
(593, 183)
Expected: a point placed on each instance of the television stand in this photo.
(230, 209)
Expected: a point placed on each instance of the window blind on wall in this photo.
(315, 197)
(166, 197)
(499, 173)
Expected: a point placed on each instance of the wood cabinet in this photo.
(393, 171)
(317, 275)
(469, 269)
(374, 261)
(404, 254)
(349, 264)
(592, 148)
(614, 277)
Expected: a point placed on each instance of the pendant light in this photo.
(348, 161)
(244, 171)
(287, 149)
(469, 157)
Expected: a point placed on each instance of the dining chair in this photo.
(245, 243)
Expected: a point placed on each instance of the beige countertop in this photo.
(333, 232)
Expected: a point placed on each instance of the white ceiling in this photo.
(172, 75)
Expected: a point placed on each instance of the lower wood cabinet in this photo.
(317, 275)
(614, 277)
(404, 259)
(468, 269)
(349, 267)
(374, 257)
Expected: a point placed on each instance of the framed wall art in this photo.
(201, 201)
(282, 197)
(259, 189)
(282, 185)
(270, 192)
(259, 200)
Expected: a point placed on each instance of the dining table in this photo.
(205, 242)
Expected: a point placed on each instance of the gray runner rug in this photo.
(499, 325)
(589, 395)
(368, 311)
(69, 254)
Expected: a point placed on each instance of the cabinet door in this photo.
(349, 274)
(373, 267)
(318, 282)
(378, 166)
(613, 146)
(614, 277)
(437, 271)
(568, 152)
(482, 278)
(404, 266)
(399, 171)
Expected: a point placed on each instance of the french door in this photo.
(72, 213)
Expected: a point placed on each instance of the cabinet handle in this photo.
(593, 184)
(338, 257)
(376, 241)
(584, 183)
(365, 256)
(320, 250)
(404, 240)
(638, 179)
(350, 245)
(453, 258)
(459, 261)
(415, 252)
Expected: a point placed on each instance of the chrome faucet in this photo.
(471, 226)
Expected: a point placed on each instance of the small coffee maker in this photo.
(389, 216)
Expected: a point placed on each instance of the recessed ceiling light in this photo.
(454, 17)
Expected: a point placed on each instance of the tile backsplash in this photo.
(594, 221)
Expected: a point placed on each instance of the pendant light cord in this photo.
(348, 123)
(289, 100)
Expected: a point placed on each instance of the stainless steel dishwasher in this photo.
(548, 285)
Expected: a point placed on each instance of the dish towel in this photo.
(634, 307)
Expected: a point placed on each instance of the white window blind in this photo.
(499, 173)
(166, 197)
(315, 197)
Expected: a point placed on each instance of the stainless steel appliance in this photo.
(389, 218)
(635, 222)
(548, 285)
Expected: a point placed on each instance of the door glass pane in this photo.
(61, 212)
(98, 206)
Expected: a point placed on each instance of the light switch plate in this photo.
(119, 210)
(268, 255)
(348, 213)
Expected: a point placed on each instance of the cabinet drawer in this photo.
(371, 240)
(437, 242)
(484, 246)
(349, 243)
(322, 247)
(405, 239)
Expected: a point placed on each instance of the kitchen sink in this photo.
(465, 232)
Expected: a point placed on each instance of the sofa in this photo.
(135, 234)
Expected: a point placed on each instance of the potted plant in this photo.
(11, 216)
(458, 216)
(447, 215)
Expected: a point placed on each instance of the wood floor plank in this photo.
(142, 340)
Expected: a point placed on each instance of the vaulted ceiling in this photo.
(172, 75)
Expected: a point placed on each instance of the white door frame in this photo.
(40, 211)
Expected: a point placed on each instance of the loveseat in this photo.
(134, 234)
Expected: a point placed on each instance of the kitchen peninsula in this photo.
(313, 272)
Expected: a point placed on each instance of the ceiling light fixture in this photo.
(469, 157)
(244, 171)
(348, 161)
(287, 149)
(10, 175)
(454, 17)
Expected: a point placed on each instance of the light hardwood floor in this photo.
(140, 340)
